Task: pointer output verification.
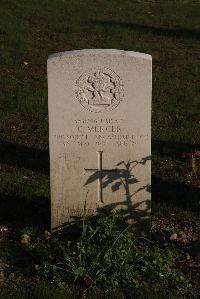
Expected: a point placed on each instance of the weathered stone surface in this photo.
(99, 131)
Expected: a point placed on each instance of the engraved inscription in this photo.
(99, 90)
(99, 133)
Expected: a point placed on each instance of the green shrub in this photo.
(106, 254)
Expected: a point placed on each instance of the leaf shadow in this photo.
(122, 177)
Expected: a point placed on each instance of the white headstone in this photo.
(99, 131)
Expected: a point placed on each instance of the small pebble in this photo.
(173, 237)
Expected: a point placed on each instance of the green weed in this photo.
(107, 255)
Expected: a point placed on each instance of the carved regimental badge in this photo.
(99, 90)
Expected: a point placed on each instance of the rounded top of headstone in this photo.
(100, 52)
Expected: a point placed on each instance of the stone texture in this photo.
(99, 132)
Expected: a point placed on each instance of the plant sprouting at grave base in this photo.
(106, 255)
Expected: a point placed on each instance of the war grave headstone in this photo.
(99, 134)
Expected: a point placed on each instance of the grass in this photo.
(103, 255)
(32, 30)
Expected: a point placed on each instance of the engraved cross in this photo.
(100, 171)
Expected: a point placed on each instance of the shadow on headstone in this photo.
(123, 177)
(35, 212)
